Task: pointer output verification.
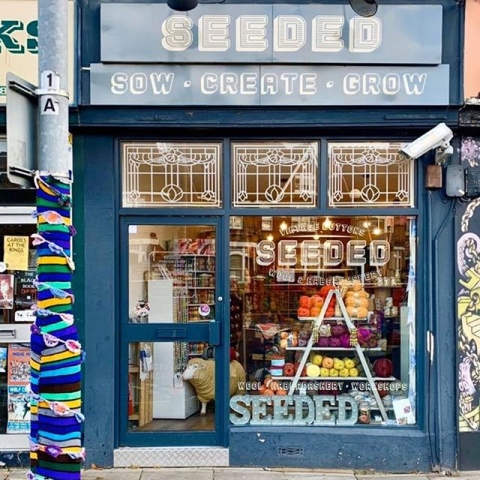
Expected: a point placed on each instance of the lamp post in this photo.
(56, 449)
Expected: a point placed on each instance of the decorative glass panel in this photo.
(275, 174)
(369, 174)
(171, 174)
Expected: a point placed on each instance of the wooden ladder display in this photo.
(315, 329)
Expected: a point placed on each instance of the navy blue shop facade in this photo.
(267, 277)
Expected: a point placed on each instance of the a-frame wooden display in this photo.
(316, 323)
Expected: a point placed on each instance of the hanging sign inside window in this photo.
(16, 252)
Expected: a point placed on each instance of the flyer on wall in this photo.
(18, 380)
(18, 410)
(25, 296)
(3, 359)
(18, 365)
(6, 291)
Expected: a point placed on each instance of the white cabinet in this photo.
(172, 397)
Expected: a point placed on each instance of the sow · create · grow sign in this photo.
(269, 55)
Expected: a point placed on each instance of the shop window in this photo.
(171, 174)
(323, 320)
(17, 296)
(369, 174)
(275, 174)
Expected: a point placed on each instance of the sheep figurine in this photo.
(201, 374)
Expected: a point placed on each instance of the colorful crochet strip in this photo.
(56, 451)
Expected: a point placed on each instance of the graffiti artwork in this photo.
(468, 262)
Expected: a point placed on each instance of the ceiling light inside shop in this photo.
(270, 238)
(326, 224)
(283, 226)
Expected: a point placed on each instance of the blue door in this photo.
(171, 348)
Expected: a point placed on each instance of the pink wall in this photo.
(472, 46)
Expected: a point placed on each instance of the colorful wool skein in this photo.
(56, 451)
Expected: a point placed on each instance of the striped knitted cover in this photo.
(56, 451)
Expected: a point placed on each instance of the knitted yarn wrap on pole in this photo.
(56, 451)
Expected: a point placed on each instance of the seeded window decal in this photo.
(369, 174)
(171, 174)
(275, 173)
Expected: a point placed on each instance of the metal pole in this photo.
(53, 76)
(56, 451)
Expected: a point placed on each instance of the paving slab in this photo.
(112, 474)
(247, 474)
(4, 475)
(407, 476)
(17, 475)
(177, 474)
(317, 476)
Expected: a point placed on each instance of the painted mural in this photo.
(468, 311)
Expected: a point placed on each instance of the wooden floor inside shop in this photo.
(195, 422)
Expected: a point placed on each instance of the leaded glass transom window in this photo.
(171, 174)
(267, 174)
(369, 174)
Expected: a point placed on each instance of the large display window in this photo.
(323, 320)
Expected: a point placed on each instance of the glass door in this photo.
(171, 347)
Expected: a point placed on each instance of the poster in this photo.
(18, 381)
(16, 252)
(18, 410)
(25, 296)
(3, 359)
(18, 365)
(6, 291)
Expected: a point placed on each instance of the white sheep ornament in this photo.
(201, 374)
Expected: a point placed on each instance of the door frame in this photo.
(216, 332)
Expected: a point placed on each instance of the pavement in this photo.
(243, 474)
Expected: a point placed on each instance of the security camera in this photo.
(437, 138)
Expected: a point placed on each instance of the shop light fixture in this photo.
(270, 237)
(326, 224)
(283, 226)
(182, 5)
(364, 8)
(377, 230)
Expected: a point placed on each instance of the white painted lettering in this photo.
(371, 84)
(177, 33)
(289, 33)
(213, 33)
(252, 33)
(351, 84)
(119, 83)
(269, 84)
(248, 83)
(365, 34)
(209, 83)
(327, 33)
(308, 84)
(162, 83)
(414, 83)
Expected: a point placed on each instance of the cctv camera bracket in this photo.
(442, 153)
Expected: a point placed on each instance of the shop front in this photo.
(266, 273)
